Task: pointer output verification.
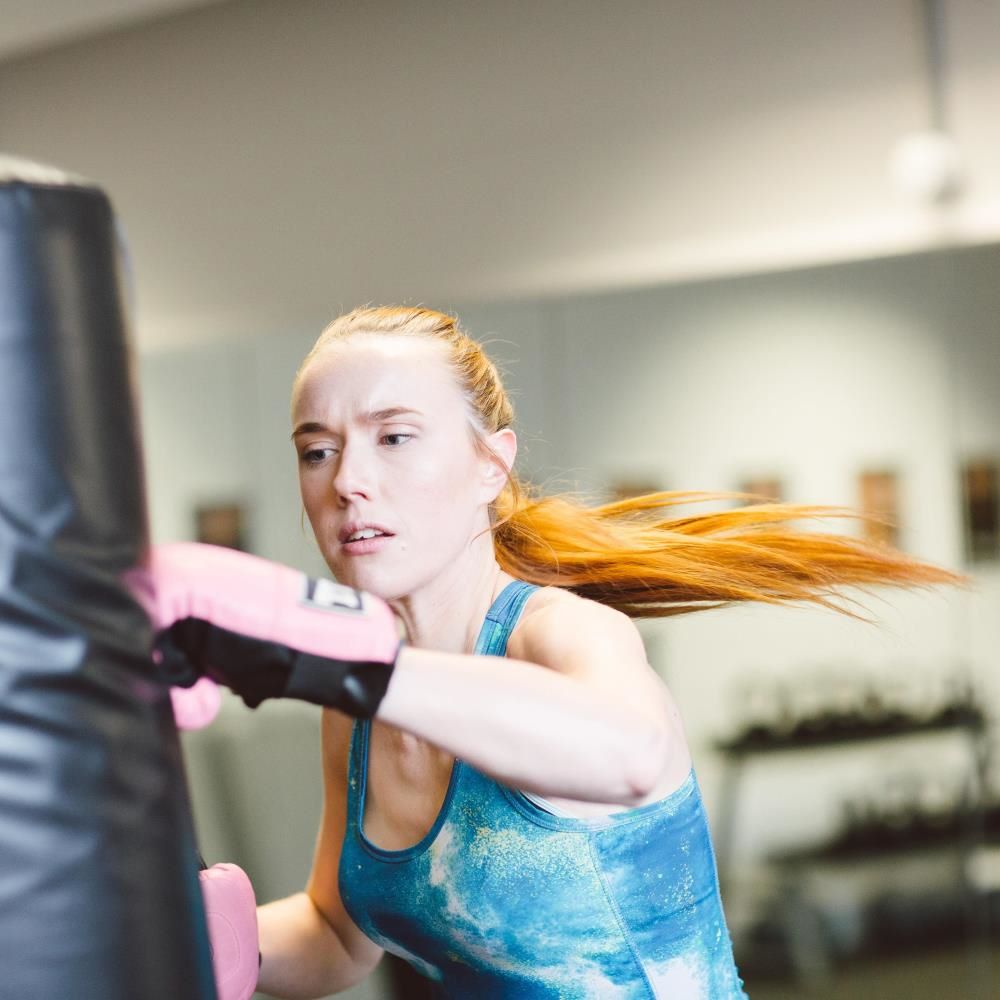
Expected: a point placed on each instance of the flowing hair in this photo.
(635, 554)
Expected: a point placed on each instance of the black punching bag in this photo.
(99, 896)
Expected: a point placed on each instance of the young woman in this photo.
(520, 818)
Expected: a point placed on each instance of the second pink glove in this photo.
(231, 913)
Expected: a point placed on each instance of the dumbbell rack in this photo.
(806, 946)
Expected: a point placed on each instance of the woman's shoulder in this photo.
(557, 604)
(553, 616)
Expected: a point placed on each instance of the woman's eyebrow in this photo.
(307, 428)
(376, 416)
(373, 417)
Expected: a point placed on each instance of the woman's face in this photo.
(383, 441)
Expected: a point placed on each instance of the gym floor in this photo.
(967, 974)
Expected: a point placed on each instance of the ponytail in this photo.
(632, 556)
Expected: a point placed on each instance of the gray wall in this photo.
(812, 375)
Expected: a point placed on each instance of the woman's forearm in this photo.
(301, 955)
(526, 725)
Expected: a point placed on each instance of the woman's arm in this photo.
(598, 726)
(309, 946)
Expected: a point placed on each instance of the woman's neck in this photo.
(447, 613)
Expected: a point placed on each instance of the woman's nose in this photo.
(353, 474)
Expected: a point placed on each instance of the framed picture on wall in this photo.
(221, 524)
(769, 488)
(625, 487)
(878, 494)
(981, 509)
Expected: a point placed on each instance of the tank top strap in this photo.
(502, 617)
(356, 770)
(497, 626)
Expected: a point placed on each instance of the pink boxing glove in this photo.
(265, 630)
(231, 914)
(196, 706)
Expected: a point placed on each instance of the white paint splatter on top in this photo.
(680, 978)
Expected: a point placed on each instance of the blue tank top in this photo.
(502, 899)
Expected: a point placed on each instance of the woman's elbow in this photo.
(647, 760)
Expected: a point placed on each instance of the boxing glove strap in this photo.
(257, 669)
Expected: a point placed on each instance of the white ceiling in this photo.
(270, 168)
(29, 25)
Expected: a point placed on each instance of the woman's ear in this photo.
(498, 461)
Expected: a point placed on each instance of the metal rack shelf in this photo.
(961, 833)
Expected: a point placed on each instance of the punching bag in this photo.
(99, 896)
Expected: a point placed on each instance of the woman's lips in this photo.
(364, 546)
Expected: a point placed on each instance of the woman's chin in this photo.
(356, 576)
(390, 583)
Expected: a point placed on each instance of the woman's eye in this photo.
(312, 456)
(394, 440)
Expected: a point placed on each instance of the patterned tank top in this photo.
(502, 898)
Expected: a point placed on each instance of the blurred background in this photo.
(714, 246)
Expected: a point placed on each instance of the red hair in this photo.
(632, 554)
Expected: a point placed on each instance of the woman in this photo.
(521, 817)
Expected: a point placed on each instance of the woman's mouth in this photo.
(366, 541)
